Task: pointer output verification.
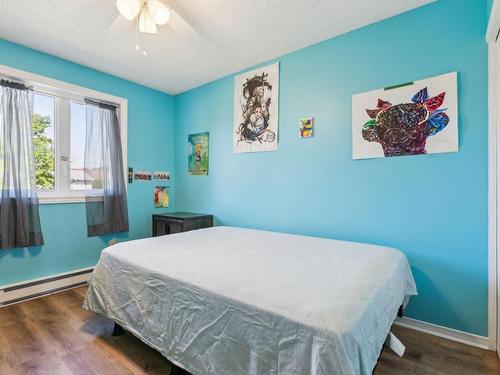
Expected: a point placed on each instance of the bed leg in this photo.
(401, 311)
(176, 370)
(117, 330)
(393, 342)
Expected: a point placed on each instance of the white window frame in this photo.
(65, 93)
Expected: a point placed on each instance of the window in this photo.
(43, 140)
(59, 127)
(77, 147)
(59, 132)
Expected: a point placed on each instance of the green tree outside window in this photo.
(44, 153)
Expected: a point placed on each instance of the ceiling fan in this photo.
(149, 13)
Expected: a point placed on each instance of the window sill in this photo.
(61, 200)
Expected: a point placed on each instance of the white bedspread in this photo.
(231, 301)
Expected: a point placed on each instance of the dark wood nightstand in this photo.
(177, 222)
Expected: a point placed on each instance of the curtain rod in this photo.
(12, 78)
(101, 103)
(14, 82)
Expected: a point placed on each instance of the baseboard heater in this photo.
(15, 293)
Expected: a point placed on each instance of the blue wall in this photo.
(150, 147)
(433, 207)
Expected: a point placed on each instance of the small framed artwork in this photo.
(306, 127)
(142, 176)
(198, 154)
(160, 197)
(130, 175)
(161, 175)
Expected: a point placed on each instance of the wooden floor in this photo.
(54, 335)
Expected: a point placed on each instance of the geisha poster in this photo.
(255, 125)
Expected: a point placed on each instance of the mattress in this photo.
(233, 301)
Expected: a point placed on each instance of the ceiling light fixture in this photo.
(146, 22)
(160, 12)
(128, 8)
(150, 12)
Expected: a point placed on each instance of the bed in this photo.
(233, 301)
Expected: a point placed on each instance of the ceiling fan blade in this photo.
(181, 26)
(121, 25)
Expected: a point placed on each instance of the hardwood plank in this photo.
(78, 364)
(449, 356)
(23, 342)
(41, 310)
(98, 361)
(11, 315)
(5, 368)
(391, 364)
(426, 354)
(54, 335)
(51, 365)
(62, 336)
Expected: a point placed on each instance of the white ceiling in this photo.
(205, 40)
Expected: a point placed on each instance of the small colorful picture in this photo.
(142, 176)
(306, 127)
(198, 154)
(161, 175)
(160, 197)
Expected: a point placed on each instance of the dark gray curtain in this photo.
(106, 197)
(19, 217)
